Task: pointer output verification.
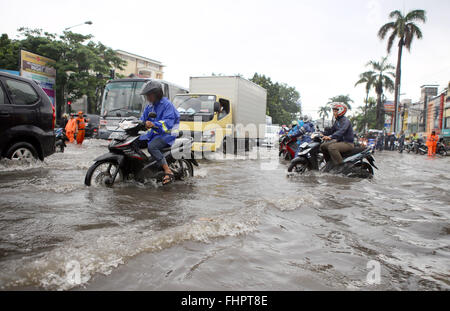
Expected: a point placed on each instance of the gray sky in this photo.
(318, 46)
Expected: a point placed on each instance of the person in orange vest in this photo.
(81, 128)
(432, 141)
(70, 128)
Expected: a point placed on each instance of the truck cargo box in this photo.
(248, 100)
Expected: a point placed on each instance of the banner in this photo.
(39, 69)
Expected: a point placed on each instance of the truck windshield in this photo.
(122, 99)
(191, 107)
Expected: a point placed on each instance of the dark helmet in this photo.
(153, 87)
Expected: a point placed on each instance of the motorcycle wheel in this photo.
(183, 169)
(443, 152)
(362, 170)
(98, 176)
(299, 168)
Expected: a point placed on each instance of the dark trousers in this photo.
(333, 150)
(155, 146)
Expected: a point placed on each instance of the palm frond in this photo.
(391, 41)
(385, 29)
(396, 15)
(416, 15)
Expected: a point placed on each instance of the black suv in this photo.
(27, 119)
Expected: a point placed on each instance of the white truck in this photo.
(240, 109)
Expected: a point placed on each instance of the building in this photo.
(431, 113)
(139, 66)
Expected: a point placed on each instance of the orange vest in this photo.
(81, 123)
(432, 139)
(71, 126)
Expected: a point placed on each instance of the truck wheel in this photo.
(22, 151)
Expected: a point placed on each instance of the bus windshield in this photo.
(192, 106)
(122, 99)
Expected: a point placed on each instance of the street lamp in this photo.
(85, 23)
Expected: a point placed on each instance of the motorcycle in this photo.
(60, 140)
(126, 161)
(421, 147)
(357, 163)
(441, 148)
(288, 147)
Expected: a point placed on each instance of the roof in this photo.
(5, 74)
(141, 57)
(145, 80)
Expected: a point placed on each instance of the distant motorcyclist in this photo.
(159, 134)
(340, 137)
(304, 132)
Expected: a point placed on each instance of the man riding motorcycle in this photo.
(304, 132)
(340, 138)
(159, 135)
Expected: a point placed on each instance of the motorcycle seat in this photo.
(355, 151)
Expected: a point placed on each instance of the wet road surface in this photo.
(237, 225)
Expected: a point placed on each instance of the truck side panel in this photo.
(248, 99)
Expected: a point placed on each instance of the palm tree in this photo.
(403, 28)
(382, 74)
(369, 79)
(342, 99)
(323, 112)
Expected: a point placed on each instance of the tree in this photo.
(405, 29)
(367, 115)
(382, 81)
(368, 78)
(342, 99)
(282, 100)
(79, 61)
(324, 113)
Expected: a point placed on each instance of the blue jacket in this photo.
(304, 131)
(342, 130)
(167, 119)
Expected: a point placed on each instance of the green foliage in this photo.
(358, 118)
(403, 27)
(342, 99)
(78, 61)
(282, 100)
(383, 75)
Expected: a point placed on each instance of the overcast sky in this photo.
(318, 46)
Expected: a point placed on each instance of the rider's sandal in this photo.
(168, 179)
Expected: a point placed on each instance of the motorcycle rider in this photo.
(159, 136)
(304, 132)
(340, 138)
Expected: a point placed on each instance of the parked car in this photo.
(92, 125)
(27, 119)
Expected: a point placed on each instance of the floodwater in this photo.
(237, 225)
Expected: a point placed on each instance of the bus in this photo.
(122, 100)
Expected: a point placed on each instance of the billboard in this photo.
(39, 69)
(389, 107)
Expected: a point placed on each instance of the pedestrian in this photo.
(64, 120)
(392, 142)
(401, 141)
(81, 127)
(432, 141)
(380, 142)
(70, 128)
(386, 142)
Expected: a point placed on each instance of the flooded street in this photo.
(237, 225)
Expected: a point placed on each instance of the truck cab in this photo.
(208, 117)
